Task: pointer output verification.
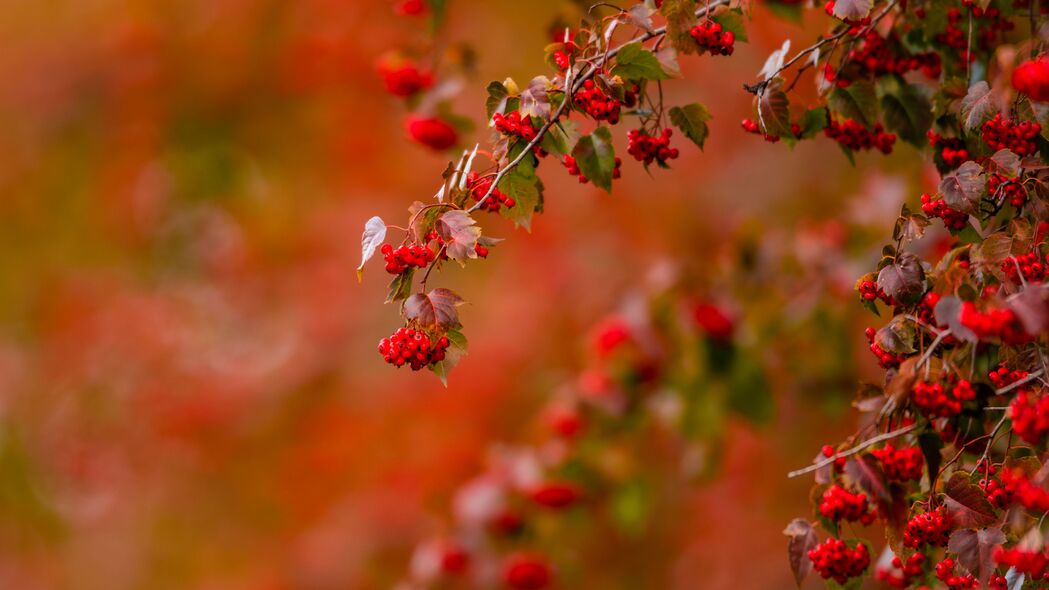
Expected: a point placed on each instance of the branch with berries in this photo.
(607, 69)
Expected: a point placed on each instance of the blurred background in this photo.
(190, 395)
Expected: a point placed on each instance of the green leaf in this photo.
(401, 286)
(561, 138)
(497, 96)
(732, 20)
(813, 122)
(907, 112)
(523, 186)
(858, 101)
(596, 157)
(457, 347)
(787, 12)
(681, 17)
(634, 62)
(692, 119)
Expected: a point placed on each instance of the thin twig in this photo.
(853, 451)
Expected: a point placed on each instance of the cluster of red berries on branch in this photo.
(1001, 324)
(593, 101)
(936, 400)
(406, 256)
(908, 572)
(951, 150)
(886, 360)
(837, 503)
(573, 168)
(1030, 416)
(751, 126)
(479, 185)
(855, 136)
(937, 207)
(514, 125)
(1004, 377)
(834, 560)
(1030, 563)
(928, 528)
(900, 465)
(874, 57)
(980, 26)
(945, 573)
(1020, 137)
(1015, 487)
(712, 37)
(1011, 190)
(870, 291)
(408, 346)
(647, 148)
(1026, 268)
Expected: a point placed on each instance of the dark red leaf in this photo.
(438, 308)
(966, 503)
(975, 550)
(802, 539)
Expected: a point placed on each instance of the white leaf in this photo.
(374, 235)
(775, 61)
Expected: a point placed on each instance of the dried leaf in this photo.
(802, 539)
(438, 308)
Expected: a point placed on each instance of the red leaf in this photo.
(975, 550)
(460, 234)
(438, 308)
(967, 504)
(802, 539)
(865, 474)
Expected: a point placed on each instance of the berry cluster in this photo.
(853, 135)
(751, 126)
(994, 324)
(834, 560)
(602, 107)
(909, 571)
(1003, 377)
(874, 57)
(406, 256)
(1004, 134)
(1010, 190)
(870, 291)
(646, 148)
(711, 36)
(1030, 416)
(479, 186)
(1030, 266)
(1030, 563)
(886, 360)
(840, 504)
(573, 168)
(929, 528)
(514, 125)
(945, 573)
(1016, 487)
(985, 25)
(900, 465)
(936, 401)
(952, 218)
(408, 346)
(951, 150)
